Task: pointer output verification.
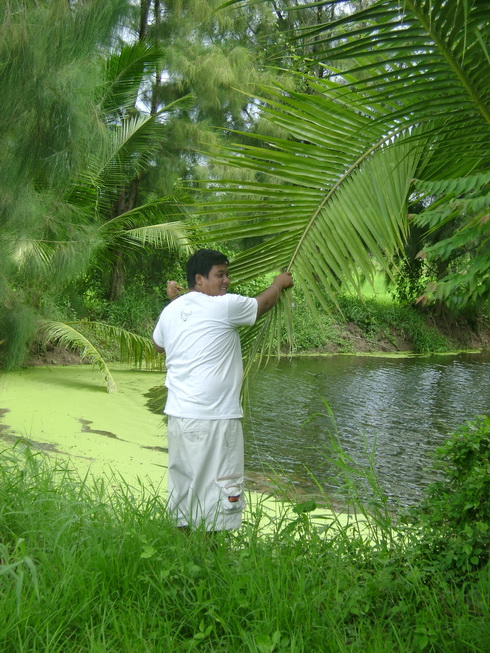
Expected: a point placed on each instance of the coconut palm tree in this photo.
(404, 96)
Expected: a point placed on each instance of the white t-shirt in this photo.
(203, 356)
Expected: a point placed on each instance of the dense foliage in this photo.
(332, 138)
(455, 514)
(397, 124)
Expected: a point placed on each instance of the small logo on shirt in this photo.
(185, 315)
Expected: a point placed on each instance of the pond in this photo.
(400, 408)
(404, 407)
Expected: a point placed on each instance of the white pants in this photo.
(205, 479)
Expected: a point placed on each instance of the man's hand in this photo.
(173, 290)
(283, 280)
(268, 297)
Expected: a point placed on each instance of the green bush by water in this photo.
(455, 513)
(99, 567)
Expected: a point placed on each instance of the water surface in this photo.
(402, 407)
(406, 406)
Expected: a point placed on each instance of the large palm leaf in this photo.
(133, 349)
(332, 196)
(336, 199)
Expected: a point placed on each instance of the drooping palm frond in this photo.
(67, 336)
(336, 200)
(133, 349)
(264, 340)
(23, 251)
(130, 149)
(408, 98)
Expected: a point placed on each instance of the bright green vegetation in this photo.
(293, 135)
(100, 568)
(379, 324)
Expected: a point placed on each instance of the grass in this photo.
(99, 567)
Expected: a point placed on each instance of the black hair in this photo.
(201, 262)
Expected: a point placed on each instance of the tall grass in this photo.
(92, 565)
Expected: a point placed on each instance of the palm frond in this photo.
(66, 335)
(432, 52)
(171, 236)
(134, 142)
(143, 226)
(133, 349)
(455, 186)
(132, 146)
(149, 213)
(336, 209)
(263, 341)
(22, 252)
(328, 234)
(124, 71)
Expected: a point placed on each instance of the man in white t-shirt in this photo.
(198, 331)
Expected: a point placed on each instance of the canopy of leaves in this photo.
(70, 146)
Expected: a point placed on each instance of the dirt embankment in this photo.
(459, 334)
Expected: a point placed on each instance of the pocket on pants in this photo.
(231, 493)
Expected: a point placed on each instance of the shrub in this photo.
(455, 513)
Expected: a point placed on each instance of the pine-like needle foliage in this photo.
(72, 143)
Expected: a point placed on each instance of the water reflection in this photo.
(403, 407)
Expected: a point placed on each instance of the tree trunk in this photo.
(126, 202)
(116, 286)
